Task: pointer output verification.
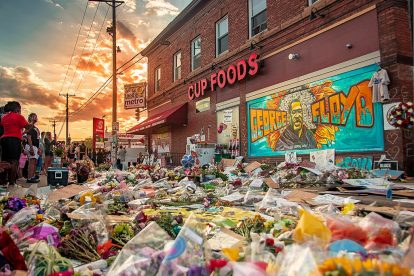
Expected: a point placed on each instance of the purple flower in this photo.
(16, 204)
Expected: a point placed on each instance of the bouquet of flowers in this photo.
(46, 260)
(143, 254)
(82, 170)
(59, 150)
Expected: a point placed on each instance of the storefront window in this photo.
(228, 132)
(222, 35)
(203, 105)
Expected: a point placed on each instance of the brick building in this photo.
(282, 75)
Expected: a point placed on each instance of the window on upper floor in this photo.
(222, 35)
(157, 79)
(177, 66)
(311, 2)
(195, 53)
(258, 16)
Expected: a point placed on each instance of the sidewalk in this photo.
(42, 183)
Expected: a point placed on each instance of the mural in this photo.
(333, 113)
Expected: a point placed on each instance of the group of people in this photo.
(76, 151)
(27, 150)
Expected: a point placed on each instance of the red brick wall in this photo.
(397, 58)
(288, 21)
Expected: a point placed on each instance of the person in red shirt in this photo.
(11, 141)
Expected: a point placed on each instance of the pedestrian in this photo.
(71, 153)
(48, 143)
(99, 157)
(40, 160)
(82, 149)
(77, 152)
(121, 157)
(33, 138)
(13, 123)
(22, 160)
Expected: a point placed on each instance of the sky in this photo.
(37, 39)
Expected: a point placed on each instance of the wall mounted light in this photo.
(315, 13)
(294, 56)
(118, 49)
(349, 45)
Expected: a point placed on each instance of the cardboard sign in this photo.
(228, 162)
(257, 183)
(252, 166)
(271, 183)
(66, 192)
(290, 157)
(232, 197)
(301, 195)
(324, 159)
(225, 239)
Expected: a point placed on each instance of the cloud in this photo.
(126, 33)
(160, 8)
(130, 5)
(54, 3)
(20, 84)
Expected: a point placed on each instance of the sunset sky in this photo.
(37, 38)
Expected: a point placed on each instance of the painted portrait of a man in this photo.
(296, 135)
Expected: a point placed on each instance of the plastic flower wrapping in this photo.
(207, 220)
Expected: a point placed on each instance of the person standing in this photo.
(13, 123)
(33, 138)
(82, 149)
(48, 142)
(77, 152)
(99, 157)
(41, 153)
(121, 157)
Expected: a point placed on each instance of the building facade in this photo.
(262, 78)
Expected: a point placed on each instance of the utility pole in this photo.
(54, 128)
(67, 95)
(112, 31)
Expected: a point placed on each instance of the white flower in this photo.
(399, 122)
(398, 112)
(410, 110)
(403, 107)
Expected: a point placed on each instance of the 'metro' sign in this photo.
(233, 73)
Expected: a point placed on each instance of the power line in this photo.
(74, 47)
(104, 85)
(93, 51)
(100, 89)
(83, 48)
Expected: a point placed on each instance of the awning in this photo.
(173, 116)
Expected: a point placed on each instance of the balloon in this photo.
(187, 161)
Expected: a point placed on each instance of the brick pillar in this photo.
(395, 41)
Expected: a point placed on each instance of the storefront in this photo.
(278, 92)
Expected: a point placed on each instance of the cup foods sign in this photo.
(234, 73)
(134, 95)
